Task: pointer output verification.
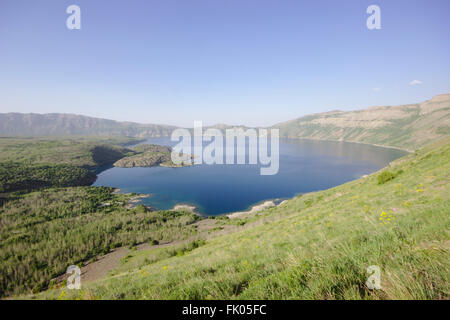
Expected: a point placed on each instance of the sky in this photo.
(250, 62)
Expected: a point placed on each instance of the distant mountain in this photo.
(57, 124)
(407, 126)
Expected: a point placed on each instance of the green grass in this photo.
(317, 246)
(139, 259)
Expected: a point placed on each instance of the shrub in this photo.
(222, 217)
(141, 208)
(187, 248)
(309, 202)
(132, 244)
(385, 176)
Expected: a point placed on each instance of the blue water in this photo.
(305, 166)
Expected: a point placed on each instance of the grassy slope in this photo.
(35, 163)
(81, 152)
(408, 127)
(317, 246)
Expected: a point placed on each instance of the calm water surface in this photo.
(305, 166)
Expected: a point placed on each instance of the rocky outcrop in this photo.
(149, 155)
(147, 159)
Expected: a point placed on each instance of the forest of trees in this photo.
(43, 232)
(18, 176)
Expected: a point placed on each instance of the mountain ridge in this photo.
(67, 124)
(407, 127)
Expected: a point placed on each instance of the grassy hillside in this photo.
(407, 127)
(317, 246)
(82, 152)
(35, 163)
(60, 124)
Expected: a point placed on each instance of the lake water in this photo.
(305, 166)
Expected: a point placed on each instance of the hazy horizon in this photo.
(252, 63)
(206, 124)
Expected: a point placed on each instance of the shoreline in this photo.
(347, 141)
(265, 204)
(331, 140)
(259, 206)
(187, 207)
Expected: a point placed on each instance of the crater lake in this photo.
(305, 166)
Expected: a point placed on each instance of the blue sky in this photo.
(254, 62)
